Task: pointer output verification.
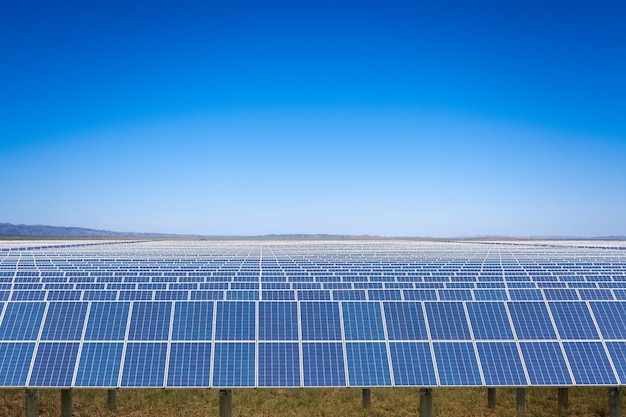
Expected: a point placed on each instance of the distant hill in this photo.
(22, 231)
(8, 230)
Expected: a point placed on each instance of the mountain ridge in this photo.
(21, 231)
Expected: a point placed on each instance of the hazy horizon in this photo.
(358, 118)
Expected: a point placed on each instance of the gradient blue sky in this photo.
(391, 118)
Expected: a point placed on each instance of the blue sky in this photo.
(387, 118)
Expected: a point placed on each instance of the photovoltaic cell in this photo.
(193, 320)
(589, 363)
(279, 365)
(323, 365)
(545, 363)
(531, 321)
(362, 321)
(368, 365)
(278, 321)
(99, 364)
(412, 364)
(501, 364)
(233, 365)
(447, 321)
(15, 359)
(456, 364)
(489, 321)
(405, 321)
(54, 364)
(150, 321)
(320, 321)
(144, 364)
(189, 365)
(107, 321)
(573, 320)
(22, 321)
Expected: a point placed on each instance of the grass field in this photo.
(310, 402)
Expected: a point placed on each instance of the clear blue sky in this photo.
(390, 118)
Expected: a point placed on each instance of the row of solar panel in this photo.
(322, 321)
(310, 364)
(117, 267)
(407, 262)
(95, 284)
(84, 276)
(308, 295)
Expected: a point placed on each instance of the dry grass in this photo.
(404, 402)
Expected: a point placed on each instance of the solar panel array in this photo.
(311, 314)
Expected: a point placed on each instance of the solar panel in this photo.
(99, 364)
(54, 364)
(531, 321)
(617, 350)
(22, 321)
(611, 319)
(362, 321)
(405, 321)
(447, 321)
(15, 361)
(545, 363)
(501, 364)
(189, 365)
(150, 321)
(279, 365)
(489, 321)
(368, 364)
(144, 364)
(278, 321)
(412, 364)
(314, 314)
(193, 321)
(457, 364)
(590, 364)
(323, 364)
(235, 320)
(320, 321)
(233, 365)
(573, 320)
(107, 321)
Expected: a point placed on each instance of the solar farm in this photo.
(232, 314)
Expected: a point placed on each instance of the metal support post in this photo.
(366, 397)
(615, 402)
(226, 403)
(66, 403)
(491, 397)
(31, 403)
(426, 402)
(563, 401)
(112, 400)
(521, 402)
